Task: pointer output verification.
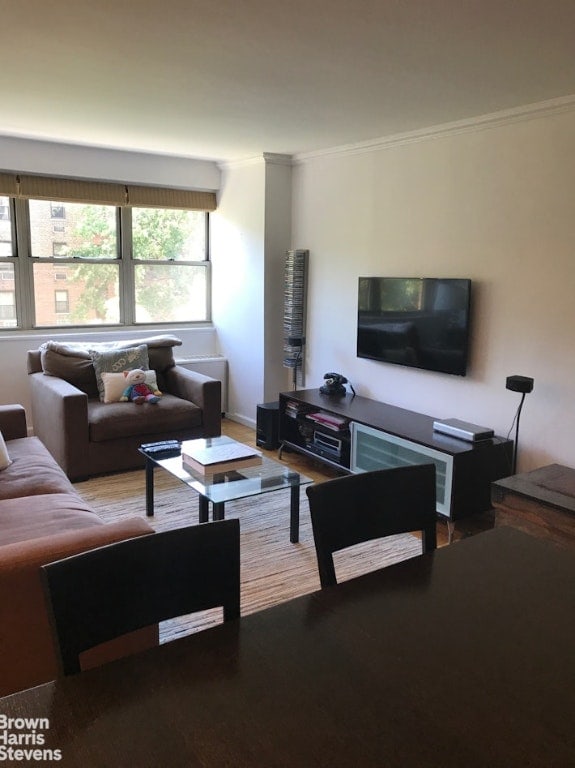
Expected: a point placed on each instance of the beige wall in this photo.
(250, 236)
(495, 204)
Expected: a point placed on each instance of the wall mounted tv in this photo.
(413, 321)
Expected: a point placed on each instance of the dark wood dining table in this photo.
(463, 657)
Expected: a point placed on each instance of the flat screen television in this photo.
(421, 322)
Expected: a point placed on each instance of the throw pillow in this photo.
(116, 361)
(5, 459)
(115, 384)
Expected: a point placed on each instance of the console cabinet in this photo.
(357, 434)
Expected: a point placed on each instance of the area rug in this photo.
(272, 569)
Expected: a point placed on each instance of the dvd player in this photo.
(463, 430)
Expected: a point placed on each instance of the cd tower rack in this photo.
(295, 283)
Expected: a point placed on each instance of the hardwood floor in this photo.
(320, 472)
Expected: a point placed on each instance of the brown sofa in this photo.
(89, 437)
(42, 519)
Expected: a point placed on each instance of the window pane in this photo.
(170, 293)
(164, 234)
(93, 294)
(90, 230)
(7, 297)
(5, 228)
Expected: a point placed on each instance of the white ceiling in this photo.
(231, 79)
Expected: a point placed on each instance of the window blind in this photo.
(157, 197)
(8, 185)
(103, 193)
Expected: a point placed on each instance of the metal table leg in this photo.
(204, 508)
(294, 514)
(149, 487)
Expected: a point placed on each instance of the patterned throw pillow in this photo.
(116, 361)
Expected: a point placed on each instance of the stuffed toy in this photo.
(137, 390)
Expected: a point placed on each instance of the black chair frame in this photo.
(107, 592)
(357, 508)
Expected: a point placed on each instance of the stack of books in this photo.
(210, 460)
(293, 409)
(329, 420)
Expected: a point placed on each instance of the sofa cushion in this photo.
(75, 369)
(111, 421)
(32, 517)
(33, 471)
(117, 361)
(161, 358)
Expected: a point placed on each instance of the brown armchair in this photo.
(89, 437)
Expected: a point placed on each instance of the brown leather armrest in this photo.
(13, 422)
(60, 419)
(201, 390)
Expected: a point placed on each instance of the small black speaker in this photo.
(519, 384)
(267, 425)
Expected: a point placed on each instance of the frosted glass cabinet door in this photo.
(373, 449)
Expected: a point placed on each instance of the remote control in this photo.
(163, 450)
(161, 444)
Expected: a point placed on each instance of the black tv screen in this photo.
(421, 322)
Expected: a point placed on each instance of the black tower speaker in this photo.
(267, 426)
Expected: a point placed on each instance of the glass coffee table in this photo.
(226, 486)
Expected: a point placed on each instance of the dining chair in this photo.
(107, 592)
(357, 508)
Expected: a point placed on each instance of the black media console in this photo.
(356, 434)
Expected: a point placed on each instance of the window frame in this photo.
(24, 262)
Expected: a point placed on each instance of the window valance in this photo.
(103, 193)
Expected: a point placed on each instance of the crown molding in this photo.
(267, 158)
(273, 158)
(494, 120)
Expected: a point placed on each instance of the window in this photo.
(59, 249)
(170, 286)
(140, 259)
(7, 309)
(93, 265)
(6, 234)
(57, 211)
(7, 296)
(61, 301)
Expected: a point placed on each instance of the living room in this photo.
(486, 197)
(487, 201)
(421, 139)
